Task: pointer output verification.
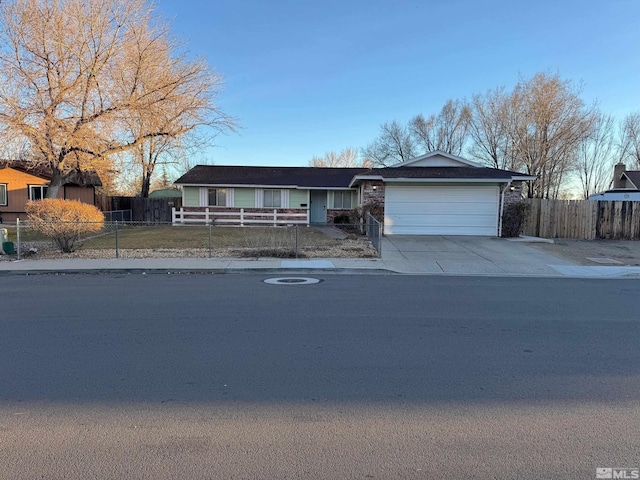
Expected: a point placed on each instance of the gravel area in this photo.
(627, 252)
(345, 249)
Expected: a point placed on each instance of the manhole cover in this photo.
(292, 281)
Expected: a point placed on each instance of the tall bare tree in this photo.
(393, 145)
(596, 156)
(446, 131)
(347, 158)
(630, 140)
(488, 131)
(74, 73)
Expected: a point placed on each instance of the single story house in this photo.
(626, 185)
(18, 184)
(434, 194)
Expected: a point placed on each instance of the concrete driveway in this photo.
(467, 255)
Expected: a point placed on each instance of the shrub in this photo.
(513, 219)
(64, 221)
(376, 209)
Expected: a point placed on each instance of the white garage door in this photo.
(441, 210)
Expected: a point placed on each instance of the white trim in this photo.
(433, 154)
(259, 198)
(284, 198)
(447, 180)
(358, 178)
(230, 197)
(240, 185)
(6, 195)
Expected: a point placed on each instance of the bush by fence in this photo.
(583, 219)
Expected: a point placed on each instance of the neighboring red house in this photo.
(19, 184)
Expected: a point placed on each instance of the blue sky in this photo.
(304, 78)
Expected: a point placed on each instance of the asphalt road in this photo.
(384, 377)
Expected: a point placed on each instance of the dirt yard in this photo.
(620, 252)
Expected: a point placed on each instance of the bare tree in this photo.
(393, 145)
(347, 158)
(446, 131)
(74, 74)
(630, 140)
(596, 156)
(488, 130)
(547, 122)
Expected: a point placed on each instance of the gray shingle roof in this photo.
(310, 177)
(313, 177)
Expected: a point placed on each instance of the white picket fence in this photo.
(238, 217)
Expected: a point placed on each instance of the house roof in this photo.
(436, 153)
(309, 177)
(77, 177)
(441, 172)
(633, 176)
(314, 177)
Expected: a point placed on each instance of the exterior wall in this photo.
(191, 196)
(244, 197)
(618, 169)
(298, 198)
(17, 192)
(82, 194)
(371, 194)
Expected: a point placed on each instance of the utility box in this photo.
(8, 248)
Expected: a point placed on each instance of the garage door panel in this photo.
(441, 220)
(483, 208)
(459, 230)
(441, 210)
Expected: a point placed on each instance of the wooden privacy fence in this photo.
(583, 219)
(142, 209)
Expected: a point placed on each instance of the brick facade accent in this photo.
(371, 194)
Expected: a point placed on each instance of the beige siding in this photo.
(298, 198)
(244, 197)
(191, 196)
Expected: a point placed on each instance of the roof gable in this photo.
(633, 176)
(437, 158)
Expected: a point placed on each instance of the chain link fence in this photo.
(116, 239)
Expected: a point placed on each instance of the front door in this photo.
(318, 209)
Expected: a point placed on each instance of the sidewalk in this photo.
(482, 256)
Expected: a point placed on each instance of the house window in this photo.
(272, 199)
(3, 194)
(217, 197)
(37, 192)
(342, 200)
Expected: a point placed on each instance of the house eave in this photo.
(275, 187)
(447, 180)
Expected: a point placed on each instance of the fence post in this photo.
(296, 227)
(117, 252)
(275, 217)
(173, 215)
(18, 248)
(209, 240)
(242, 217)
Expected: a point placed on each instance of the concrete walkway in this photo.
(417, 255)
